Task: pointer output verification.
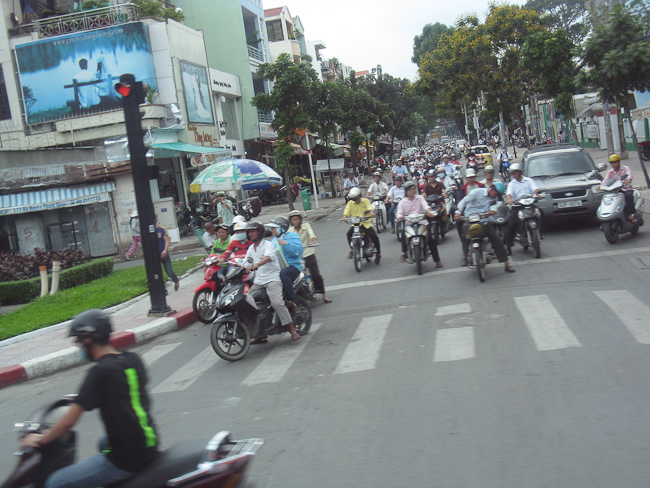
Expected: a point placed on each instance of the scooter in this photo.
(399, 225)
(645, 150)
(611, 215)
(415, 234)
(530, 217)
(439, 224)
(204, 302)
(480, 252)
(218, 462)
(243, 317)
(362, 245)
(379, 220)
(504, 169)
(472, 163)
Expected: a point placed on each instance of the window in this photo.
(5, 112)
(274, 30)
(230, 118)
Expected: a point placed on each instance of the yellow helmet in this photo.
(614, 158)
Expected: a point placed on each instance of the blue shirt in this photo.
(161, 232)
(291, 251)
(476, 202)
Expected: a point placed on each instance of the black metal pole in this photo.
(133, 94)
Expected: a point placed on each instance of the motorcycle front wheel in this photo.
(230, 340)
(301, 316)
(204, 306)
(611, 230)
(480, 266)
(535, 242)
(357, 256)
(380, 222)
(417, 257)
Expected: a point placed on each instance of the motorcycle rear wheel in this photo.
(357, 257)
(201, 303)
(380, 222)
(230, 340)
(417, 257)
(301, 316)
(611, 231)
(480, 266)
(535, 242)
(645, 155)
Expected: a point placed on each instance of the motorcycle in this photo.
(610, 212)
(439, 224)
(480, 252)
(204, 302)
(422, 182)
(362, 245)
(399, 225)
(249, 208)
(275, 194)
(379, 220)
(645, 150)
(530, 217)
(415, 234)
(472, 163)
(183, 217)
(504, 169)
(242, 317)
(218, 462)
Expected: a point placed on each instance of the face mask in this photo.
(441, 175)
(240, 236)
(84, 355)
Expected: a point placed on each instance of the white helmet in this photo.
(354, 193)
(469, 173)
(240, 226)
(515, 167)
(238, 218)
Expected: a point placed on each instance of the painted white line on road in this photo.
(387, 281)
(188, 374)
(545, 324)
(363, 352)
(454, 344)
(452, 309)
(278, 361)
(633, 312)
(155, 353)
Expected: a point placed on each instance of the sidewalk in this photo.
(48, 350)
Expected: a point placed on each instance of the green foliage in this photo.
(428, 40)
(152, 94)
(154, 8)
(572, 16)
(23, 291)
(92, 4)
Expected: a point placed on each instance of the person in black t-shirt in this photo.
(115, 385)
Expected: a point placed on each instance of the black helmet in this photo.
(283, 222)
(92, 324)
(254, 225)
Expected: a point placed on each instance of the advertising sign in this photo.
(68, 76)
(198, 94)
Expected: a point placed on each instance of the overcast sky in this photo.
(363, 34)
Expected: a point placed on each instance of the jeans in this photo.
(89, 473)
(312, 266)
(629, 202)
(391, 215)
(167, 264)
(491, 234)
(287, 275)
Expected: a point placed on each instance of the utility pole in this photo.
(133, 94)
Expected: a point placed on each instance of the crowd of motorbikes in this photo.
(192, 217)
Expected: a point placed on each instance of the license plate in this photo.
(574, 203)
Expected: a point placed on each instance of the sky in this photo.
(363, 34)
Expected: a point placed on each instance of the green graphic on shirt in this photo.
(143, 418)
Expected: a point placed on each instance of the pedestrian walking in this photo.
(136, 236)
(163, 246)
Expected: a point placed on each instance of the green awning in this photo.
(203, 154)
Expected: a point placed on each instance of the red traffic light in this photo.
(123, 89)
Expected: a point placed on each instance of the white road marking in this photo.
(454, 344)
(188, 374)
(275, 365)
(545, 324)
(630, 310)
(363, 352)
(155, 353)
(452, 309)
(386, 281)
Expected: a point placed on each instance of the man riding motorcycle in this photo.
(490, 178)
(288, 247)
(481, 201)
(396, 191)
(377, 189)
(448, 165)
(519, 185)
(361, 207)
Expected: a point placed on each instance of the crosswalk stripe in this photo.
(630, 310)
(454, 344)
(363, 351)
(277, 362)
(545, 324)
(452, 309)
(189, 373)
(155, 353)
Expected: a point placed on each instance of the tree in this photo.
(428, 40)
(292, 101)
(618, 57)
(572, 16)
(154, 8)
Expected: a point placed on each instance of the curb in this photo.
(67, 358)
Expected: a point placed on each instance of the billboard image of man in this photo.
(88, 95)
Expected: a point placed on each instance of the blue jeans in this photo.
(89, 473)
(391, 215)
(287, 275)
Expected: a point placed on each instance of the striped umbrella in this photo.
(233, 174)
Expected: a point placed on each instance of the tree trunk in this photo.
(287, 181)
(520, 118)
(638, 150)
(329, 172)
(621, 131)
(572, 129)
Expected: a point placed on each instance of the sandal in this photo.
(260, 340)
(439, 264)
(327, 300)
(402, 258)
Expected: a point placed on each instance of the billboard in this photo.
(73, 75)
(198, 94)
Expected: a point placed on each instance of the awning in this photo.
(201, 155)
(335, 164)
(54, 198)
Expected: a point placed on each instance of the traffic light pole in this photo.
(133, 94)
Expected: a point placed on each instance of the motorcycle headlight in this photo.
(609, 199)
(209, 261)
(520, 214)
(434, 213)
(527, 201)
(538, 213)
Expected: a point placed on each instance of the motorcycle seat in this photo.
(298, 279)
(179, 459)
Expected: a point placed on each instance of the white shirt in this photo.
(517, 189)
(209, 239)
(377, 190)
(267, 272)
(396, 192)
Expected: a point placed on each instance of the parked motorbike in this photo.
(610, 212)
(275, 194)
(645, 150)
(218, 462)
(379, 220)
(480, 252)
(530, 217)
(249, 208)
(242, 317)
(183, 217)
(362, 245)
(415, 233)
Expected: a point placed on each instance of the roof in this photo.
(361, 73)
(272, 12)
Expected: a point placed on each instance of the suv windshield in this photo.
(559, 164)
(480, 150)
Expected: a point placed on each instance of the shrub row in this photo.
(15, 267)
(24, 291)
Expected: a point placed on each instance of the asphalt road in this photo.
(536, 379)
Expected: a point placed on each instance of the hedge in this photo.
(17, 292)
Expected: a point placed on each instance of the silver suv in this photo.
(568, 176)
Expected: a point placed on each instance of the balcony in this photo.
(265, 118)
(255, 54)
(83, 21)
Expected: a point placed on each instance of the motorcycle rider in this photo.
(489, 179)
(414, 204)
(434, 186)
(289, 248)
(471, 183)
(519, 185)
(307, 236)
(377, 189)
(444, 178)
(448, 166)
(239, 243)
(504, 155)
(351, 181)
(223, 240)
(116, 385)
(361, 207)
(618, 172)
(400, 170)
(209, 236)
(482, 200)
(396, 191)
(267, 275)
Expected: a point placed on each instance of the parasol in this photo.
(233, 174)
